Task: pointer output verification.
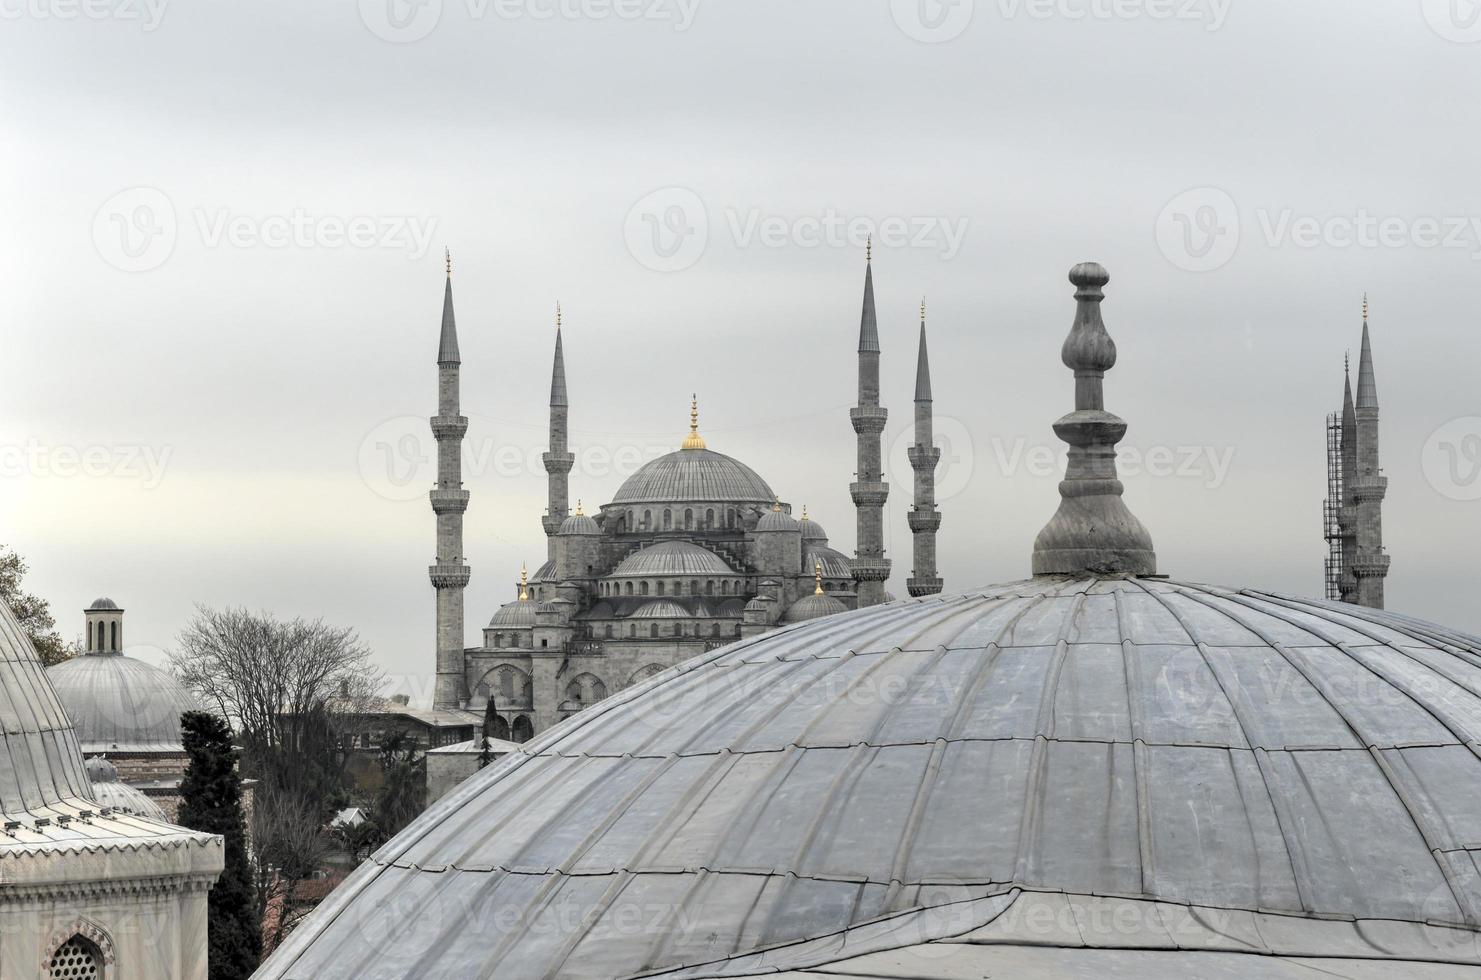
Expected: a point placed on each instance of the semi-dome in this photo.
(695, 475)
(1301, 767)
(835, 563)
(519, 614)
(813, 607)
(661, 609)
(672, 558)
(121, 704)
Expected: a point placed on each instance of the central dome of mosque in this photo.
(695, 475)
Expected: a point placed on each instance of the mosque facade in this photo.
(695, 551)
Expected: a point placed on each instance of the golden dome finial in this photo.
(694, 440)
(447, 255)
(804, 512)
(817, 569)
(524, 583)
(579, 511)
(776, 508)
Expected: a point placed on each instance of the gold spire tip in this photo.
(579, 511)
(776, 508)
(804, 512)
(818, 571)
(524, 583)
(694, 440)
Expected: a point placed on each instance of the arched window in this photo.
(668, 520)
(521, 731)
(694, 586)
(622, 524)
(709, 517)
(609, 631)
(660, 587)
(647, 519)
(632, 631)
(710, 587)
(715, 630)
(627, 588)
(688, 519)
(653, 630)
(79, 958)
(501, 728)
(113, 630)
(643, 586)
(678, 629)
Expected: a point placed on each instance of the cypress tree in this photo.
(211, 802)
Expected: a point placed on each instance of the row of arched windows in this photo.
(105, 637)
(654, 631)
(677, 587)
(689, 519)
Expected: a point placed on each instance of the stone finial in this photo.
(1092, 533)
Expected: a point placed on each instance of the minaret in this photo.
(449, 502)
(924, 518)
(870, 567)
(1092, 533)
(559, 460)
(1370, 486)
(1348, 585)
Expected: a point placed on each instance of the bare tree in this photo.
(292, 845)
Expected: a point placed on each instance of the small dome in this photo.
(662, 609)
(813, 531)
(124, 798)
(519, 614)
(760, 602)
(695, 475)
(579, 524)
(776, 520)
(104, 605)
(835, 564)
(673, 558)
(813, 607)
(121, 704)
(100, 770)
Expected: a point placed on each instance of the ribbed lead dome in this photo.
(697, 476)
(847, 783)
(672, 558)
(121, 704)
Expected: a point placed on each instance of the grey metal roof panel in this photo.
(1245, 752)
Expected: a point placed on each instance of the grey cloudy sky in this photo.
(223, 240)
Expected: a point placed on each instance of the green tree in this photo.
(32, 612)
(211, 801)
(403, 795)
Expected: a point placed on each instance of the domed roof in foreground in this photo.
(121, 704)
(697, 476)
(673, 558)
(1140, 738)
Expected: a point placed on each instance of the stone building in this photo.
(1357, 564)
(124, 709)
(87, 890)
(1096, 772)
(696, 550)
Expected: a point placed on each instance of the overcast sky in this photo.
(223, 240)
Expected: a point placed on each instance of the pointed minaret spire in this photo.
(1370, 565)
(559, 460)
(870, 567)
(924, 456)
(449, 502)
(1348, 476)
(1092, 533)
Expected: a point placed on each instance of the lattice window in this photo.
(76, 959)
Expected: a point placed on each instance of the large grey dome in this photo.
(120, 704)
(1248, 772)
(695, 475)
(519, 614)
(672, 558)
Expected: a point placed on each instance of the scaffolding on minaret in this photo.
(1332, 509)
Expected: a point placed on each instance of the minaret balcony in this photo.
(925, 586)
(449, 576)
(449, 501)
(1370, 566)
(870, 569)
(923, 457)
(449, 426)
(1369, 488)
(923, 521)
(868, 494)
(558, 463)
(869, 419)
